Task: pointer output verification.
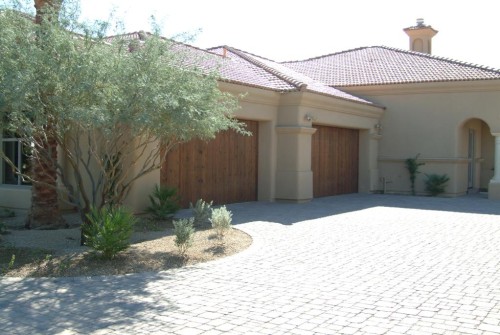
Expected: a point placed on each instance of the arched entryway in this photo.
(477, 146)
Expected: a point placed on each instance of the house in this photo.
(336, 124)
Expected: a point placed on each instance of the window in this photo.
(19, 154)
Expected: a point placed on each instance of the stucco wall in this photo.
(433, 120)
(14, 196)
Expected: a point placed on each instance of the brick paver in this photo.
(356, 264)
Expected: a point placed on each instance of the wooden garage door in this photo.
(223, 170)
(334, 161)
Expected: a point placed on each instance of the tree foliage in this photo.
(114, 106)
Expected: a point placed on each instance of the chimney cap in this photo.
(420, 26)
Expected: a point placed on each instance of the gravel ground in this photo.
(152, 249)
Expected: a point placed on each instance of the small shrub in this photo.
(184, 231)
(221, 221)
(201, 211)
(9, 266)
(109, 230)
(412, 165)
(436, 184)
(164, 203)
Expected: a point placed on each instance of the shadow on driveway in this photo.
(290, 213)
(80, 304)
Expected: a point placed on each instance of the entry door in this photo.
(470, 157)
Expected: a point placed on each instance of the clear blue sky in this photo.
(290, 30)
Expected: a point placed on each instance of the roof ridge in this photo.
(326, 55)
(420, 54)
(243, 54)
(167, 39)
(441, 58)
(246, 52)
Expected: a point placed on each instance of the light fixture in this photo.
(378, 128)
(308, 117)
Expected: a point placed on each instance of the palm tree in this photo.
(44, 212)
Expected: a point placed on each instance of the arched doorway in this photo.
(478, 148)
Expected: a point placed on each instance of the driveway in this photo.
(355, 264)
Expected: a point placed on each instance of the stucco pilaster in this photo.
(496, 176)
(494, 185)
(294, 178)
(368, 161)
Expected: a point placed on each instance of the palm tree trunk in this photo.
(44, 212)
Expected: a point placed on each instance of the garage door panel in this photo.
(334, 161)
(223, 170)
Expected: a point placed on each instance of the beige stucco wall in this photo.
(433, 120)
(14, 196)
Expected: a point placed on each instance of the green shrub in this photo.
(184, 231)
(201, 211)
(412, 165)
(9, 266)
(108, 230)
(221, 221)
(436, 184)
(164, 203)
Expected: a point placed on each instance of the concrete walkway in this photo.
(355, 264)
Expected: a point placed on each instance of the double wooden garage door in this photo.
(223, 170)
(335, 162)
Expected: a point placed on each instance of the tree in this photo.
(44, 212)
(114, 109)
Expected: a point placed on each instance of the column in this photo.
(496, 177)
(494, 186)
(294, 178)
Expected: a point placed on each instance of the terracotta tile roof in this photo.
(230, 68)
(240, 67)
(300, 81)
(235, 68)
(382, 65)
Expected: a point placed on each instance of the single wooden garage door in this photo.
(223, 170)
(335, 161)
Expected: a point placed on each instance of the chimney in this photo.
(421, 37)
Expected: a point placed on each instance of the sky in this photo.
(295, 30)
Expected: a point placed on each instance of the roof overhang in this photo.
(490, 85)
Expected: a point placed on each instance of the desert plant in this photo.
(109, 230)
(221, 221)
(9, 266)
(413, 165)
(183, 231)
(436, 184)
(201, 211)
(164, 203)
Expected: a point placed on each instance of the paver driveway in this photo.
(369, 264)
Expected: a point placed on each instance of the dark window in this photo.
(18, 153)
